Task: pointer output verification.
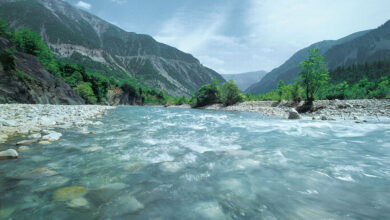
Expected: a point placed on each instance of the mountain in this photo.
(244, 80)
(31, 83)
(357, 48)
(81, 37)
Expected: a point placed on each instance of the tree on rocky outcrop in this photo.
(314, 74)
(230, 93)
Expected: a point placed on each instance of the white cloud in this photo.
(84, 5)
(119, 1)
(268, 32)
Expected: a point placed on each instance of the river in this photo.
(167, 163)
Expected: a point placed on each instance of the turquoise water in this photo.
(159, 163)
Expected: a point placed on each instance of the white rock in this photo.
(10, 123)
(293, 114)
(8, 154)
(46, 121)
(35, 136)
(54, 136)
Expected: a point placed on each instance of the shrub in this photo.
(230, 93)
(7, 60)
(86, 92)
(208, 94)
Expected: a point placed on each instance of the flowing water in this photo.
(158, 163)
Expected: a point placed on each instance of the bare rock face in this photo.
(8, 154)
(31, 83)
(293, 114)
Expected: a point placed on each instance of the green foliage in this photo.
(130, 86)
(314, 74)
(230, 93)
(31, 43)
(382, 89)
(23, 77)
(280, 89)
(86, 92)
(4, 30)
(208, 94)
(296, 91)
(7, 60)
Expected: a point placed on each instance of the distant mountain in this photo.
(244, 80)
(357, 48)
(81, 37)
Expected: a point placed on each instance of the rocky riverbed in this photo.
(36, 123)
(358, 110)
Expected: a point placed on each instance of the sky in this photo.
(236, 36)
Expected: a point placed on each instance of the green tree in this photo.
(280, 89)
(230, 93)
(4, 30)
(30, 42)
(7, 60)
(314, 74)
(296, 91)
(382, 90)
(129, 86)
(86, 92)
(208, 94)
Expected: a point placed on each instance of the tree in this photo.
(314, 74)
(280, 89)
(7, 60)
(129, 86)
(230, 93)
(86, 92)
(296, 91)
(208, 94)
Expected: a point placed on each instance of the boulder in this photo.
(293, 114)
(324, 118)
(8, 154)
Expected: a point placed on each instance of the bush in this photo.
(208, 94)
(86, 92)
(230, 93)
(129, 86)
(7, 60)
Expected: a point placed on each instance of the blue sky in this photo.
(234, 36)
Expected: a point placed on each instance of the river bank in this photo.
(37, 122)
(358, 110)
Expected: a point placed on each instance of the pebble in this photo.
(41, 119)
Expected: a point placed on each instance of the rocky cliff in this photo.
(31, 83)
